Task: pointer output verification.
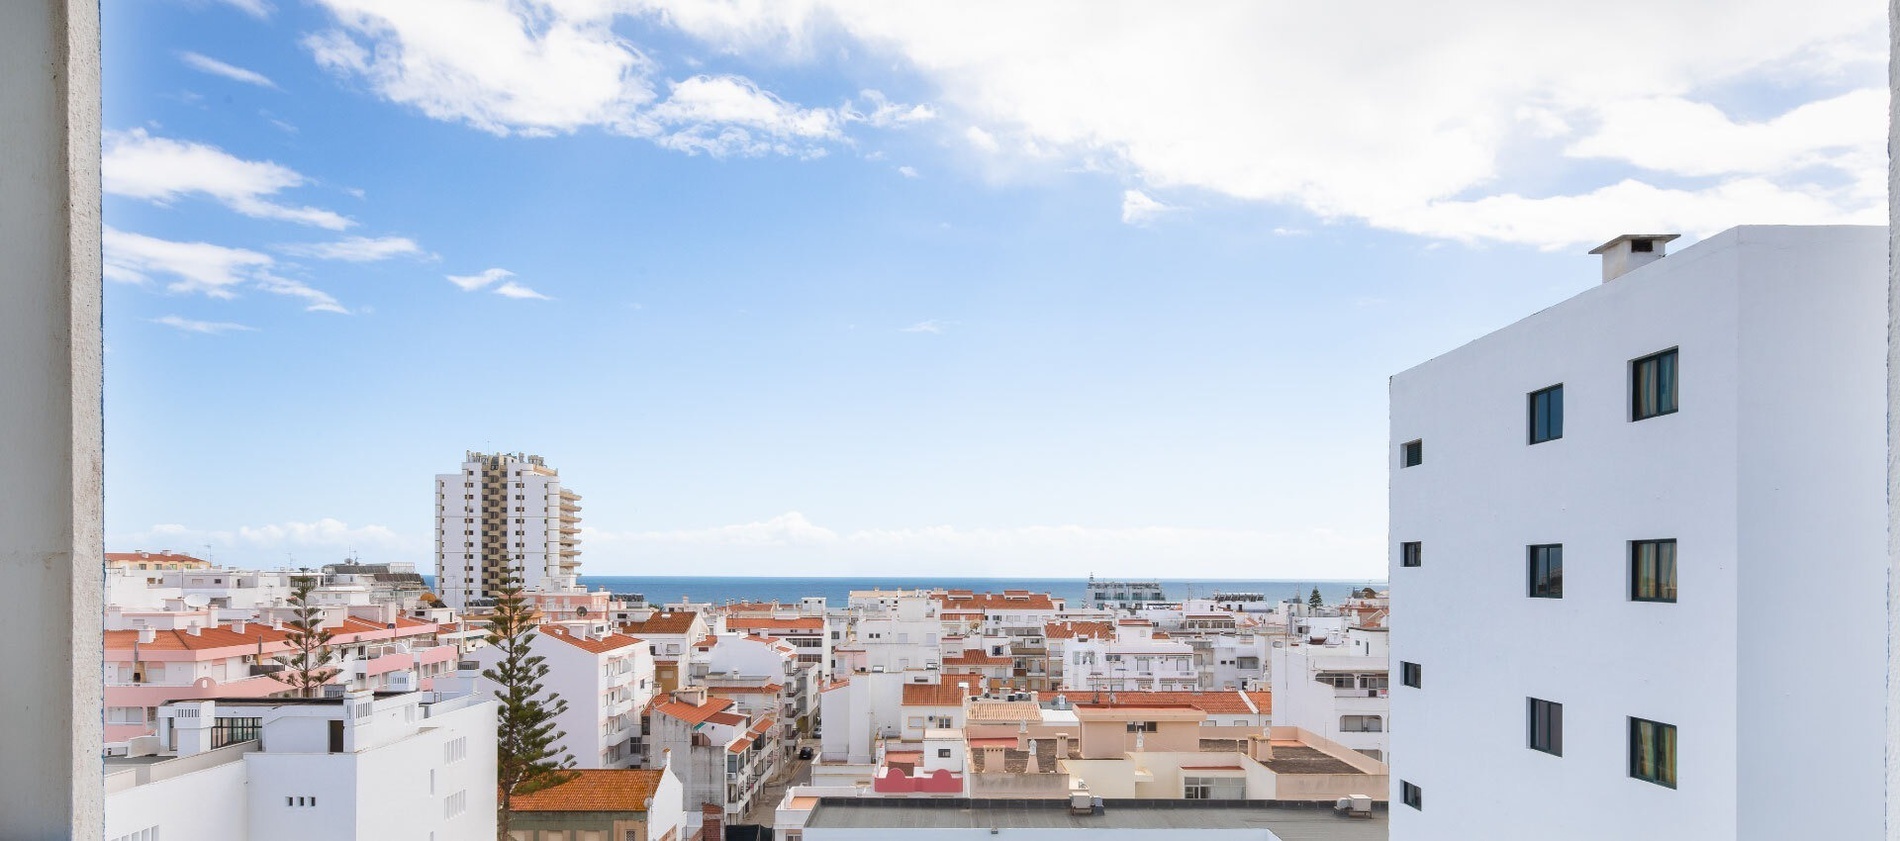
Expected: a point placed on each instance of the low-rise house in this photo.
(1338, 690)
(721, 756)
(606, 678)
(623, 804)
(670, 635)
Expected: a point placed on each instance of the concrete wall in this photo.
(51, 552)
(1777, 328)
(1893, 436)
(204, 804)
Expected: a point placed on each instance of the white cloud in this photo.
(886, 114)
(908, 172)
(161, 170)
(505, 288)
(206, 327)
(532, 68)
(1138, 208)
(930, 326)
(207, 64)
(727, 115)
(792, 539)
(315, 542)
(1412, 114)
(255, 8)
(981, 139)
(470, 283)
(212, 270)
(215, 271)
(357, 249)
(511, 289)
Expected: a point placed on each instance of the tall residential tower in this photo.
(504, 510)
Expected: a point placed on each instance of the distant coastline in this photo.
(714, 589)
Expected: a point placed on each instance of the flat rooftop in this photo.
(1289, 821)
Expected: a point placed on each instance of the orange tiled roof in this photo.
(1262, 699)
(1071, 629)
(946, 694)
(155, 558)
(612, 642)
(178, 640)
(754, 623)
(664, 622)
(691, 714)
(728, 719)
(1006, 600)
(977, 658)
(594, 790)
(766, 689)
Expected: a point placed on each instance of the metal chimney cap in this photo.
(1653, 238)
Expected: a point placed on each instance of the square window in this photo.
(1652, 570)
(943, 753)
(1653, 386)
(1547, 726)
(1547, 571)
(1547, 414)
(1412, 453)
(1653, 752)
(1411, 675)
(1411, 554)
(1411, 795)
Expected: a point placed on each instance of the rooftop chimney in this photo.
(148, 635)
(1629, 252)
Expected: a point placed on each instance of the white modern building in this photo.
(605, 677)
(357, 766)
(1602, 519)
(504, 510)
(1134, 660)
(1338, 689)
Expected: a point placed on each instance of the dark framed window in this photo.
(1653, 751)
(1411, 554)
(1546, 571)
(1411, 795)
(1547, 726)
(1652, 570)
(1412, 453)
(1547, 414)
(1653, 385)
(1411, 675)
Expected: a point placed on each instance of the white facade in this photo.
(403, 766)
(500, 510)
(605, 678)
(1769, 478)
(1133, 661)
(1337, 691)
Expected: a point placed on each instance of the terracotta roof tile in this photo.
(691, 714)
(1072, 629)
(612, 642)
(594, 790)
(1220, 702)
(946, 694)
(1006, 600)
(177, 640)
(673, 622)
(977, 658)
(753, 623)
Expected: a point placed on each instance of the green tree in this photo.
(307, 663)
(528, 758)
(1314, 601)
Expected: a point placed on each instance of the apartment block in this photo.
(1638, 553)
(504, 511)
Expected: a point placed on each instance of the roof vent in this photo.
(1630, 252)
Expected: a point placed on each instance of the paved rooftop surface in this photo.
(1300, 759)
(1291, 822)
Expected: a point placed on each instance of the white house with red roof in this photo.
(723, 756)
(605, 677)
(1134, 660)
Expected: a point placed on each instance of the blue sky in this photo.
(833, 288)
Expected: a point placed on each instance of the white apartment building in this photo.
(722, 757)
(323, 769)
(1601, 518)
(606, 678)
(1338, 689)
(504, 510)
(1134, 660)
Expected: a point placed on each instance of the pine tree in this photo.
(307, 663)
(1314, 601)
(528, 758)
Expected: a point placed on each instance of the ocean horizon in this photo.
(719, 589)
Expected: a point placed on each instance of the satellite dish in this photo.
(580, 611)
(197, 600)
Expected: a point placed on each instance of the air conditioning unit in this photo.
(1354, 806)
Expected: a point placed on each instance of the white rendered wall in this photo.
(1893, 435)
(51, 552)
(1779, 334)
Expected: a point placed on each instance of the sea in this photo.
(664, 589)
